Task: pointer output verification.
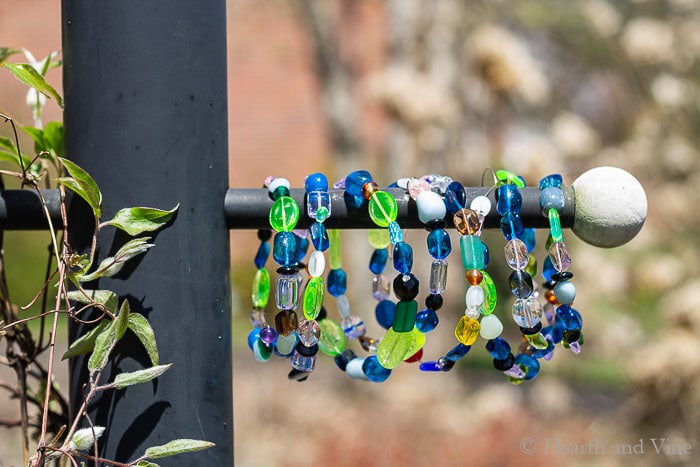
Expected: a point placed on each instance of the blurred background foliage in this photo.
(408, 87)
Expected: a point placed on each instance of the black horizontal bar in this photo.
(248, 208)
(22, 209)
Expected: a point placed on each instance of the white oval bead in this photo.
(278, 182)
(343, 306)
(354, 369)
(481, 205)
(316, 264)
(430, 207)
(491, 327)
(475, 297)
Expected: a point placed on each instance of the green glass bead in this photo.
(490, 294)
(379, 238)
(332, 340)
(261, 352)
(382, 208)
(284, 214)
(506, 176)
(538, 341)
(393, 348)
(531, 267)
(313, 298)
(261, 288)
(335, 251)
(472, 252)
(555, 225)
(322, 214)
(467, 330)
(405, 315)
(417, 344)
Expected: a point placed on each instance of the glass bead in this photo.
(474, 276)
(531, 267)
(550, 312)
(342, 359)
(286, 249)
(512, 225)
(438, 277)
(434, 301)
(491, 327)
(537, 341)
(444, 364)
(377, 261)
(406, 286)
(430, 207)
(316, 264)
(353, 327)
(382, 208)
(354, 369)
(565, 292)
(427, 320)
(253, 337)
(384, 313)
(559, 254)
(457, 352)
(473, 313)
(439, 244)
(337, 282)
(313, 298)
(275, 183)
(548, 269)
(515, 374)
(261, 288)
(472, 252)
(287, 296)
(262, 254)
(368, 189)
(319, 236)
(528, 364)
(393, 348)
(521, 284)
(318, 205)
(257, 318)
(261, 351)
(355, 181)
(264, 235)
(416, 186)
(516, 253)
(455, 197)
(322, 214)
(284, 214)
(467, 330)
(527, 312)
(374, 371)
(551, 198)
(474, 297)
(481, 205)
(506, 176)
(309, 332)
(553, 180)
(332, 339)
(487, 256)
(316, 182)
(417, 343)
(490, 295)
(268, 335)
(498, 348)
(302, 362)
(395, 233)
(555, 225)
(416, 357)
(286, 322)
(569, 318)
(381, 287)
(467, 222)
(303, 243)
(405, 315)
(509, 199)
(430, 366)
(343, 305)
(335, 254)
(528, 236)
(544, 352)
(378, 238)
(369, 344)
(403, 257)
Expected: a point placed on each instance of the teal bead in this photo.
(472, 252)
(405, 315)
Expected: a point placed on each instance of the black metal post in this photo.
(145, 114)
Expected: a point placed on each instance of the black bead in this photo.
(548, 285)
(433, 301)
(533, 330)
(505, 364)
(342, 359)
(264, 235)
(445, 364)
(307, 351)
(284, 271)
(297, 375)
(571, 336)
(323, 314)
(435, 224)
(406, 286)
(562, 276)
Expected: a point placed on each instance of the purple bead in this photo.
(268, 335)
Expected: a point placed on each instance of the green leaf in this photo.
(83, 185)
(8, 152)
(113, 264)
(104, 297)
(85, 343)
(29, 76)
(177, 446)
(123, 380)
(54, 135)
(6, 52)
(84, 438)
(140, 219)
(122, 321)
(38, 136)
(146, 464)
(140, 326)
(103, 346)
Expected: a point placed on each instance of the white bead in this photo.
(316, 264)
(481, 205)
(473, 313)
(354, 369)
(491, 327)
(343, 306)
(475, 297)
(430, 207)
(278, 182)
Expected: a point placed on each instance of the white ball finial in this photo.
(611, 207)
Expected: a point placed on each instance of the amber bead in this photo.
(368, 189)
(474, 276)
(550, 297)
(286, 322)
(467, 222)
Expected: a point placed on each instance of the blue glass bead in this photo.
(509, 199)
(353, 201)
(427, 320)
(337, 282)
(458, 351)
(262, 254)
(374, 371)
(487, 255)
(498, 348)
(439, 244)
(569, 318)
(512, 225)
(355, 181)
(553, 180)
(548, 269)
(384, 313)
(316, 182)
(431, 366)
(377, 261)
(553, 333)
(318, 202)
(403, 257)
(528, 364)
(528, 237)
(551, 197)
(455, 197)
(539, 353)
(353, 327)
(342, 359)
(520, 284)
(319, 236)
(303, 243)
(286, 249)
(253, 337)
(395, 233)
